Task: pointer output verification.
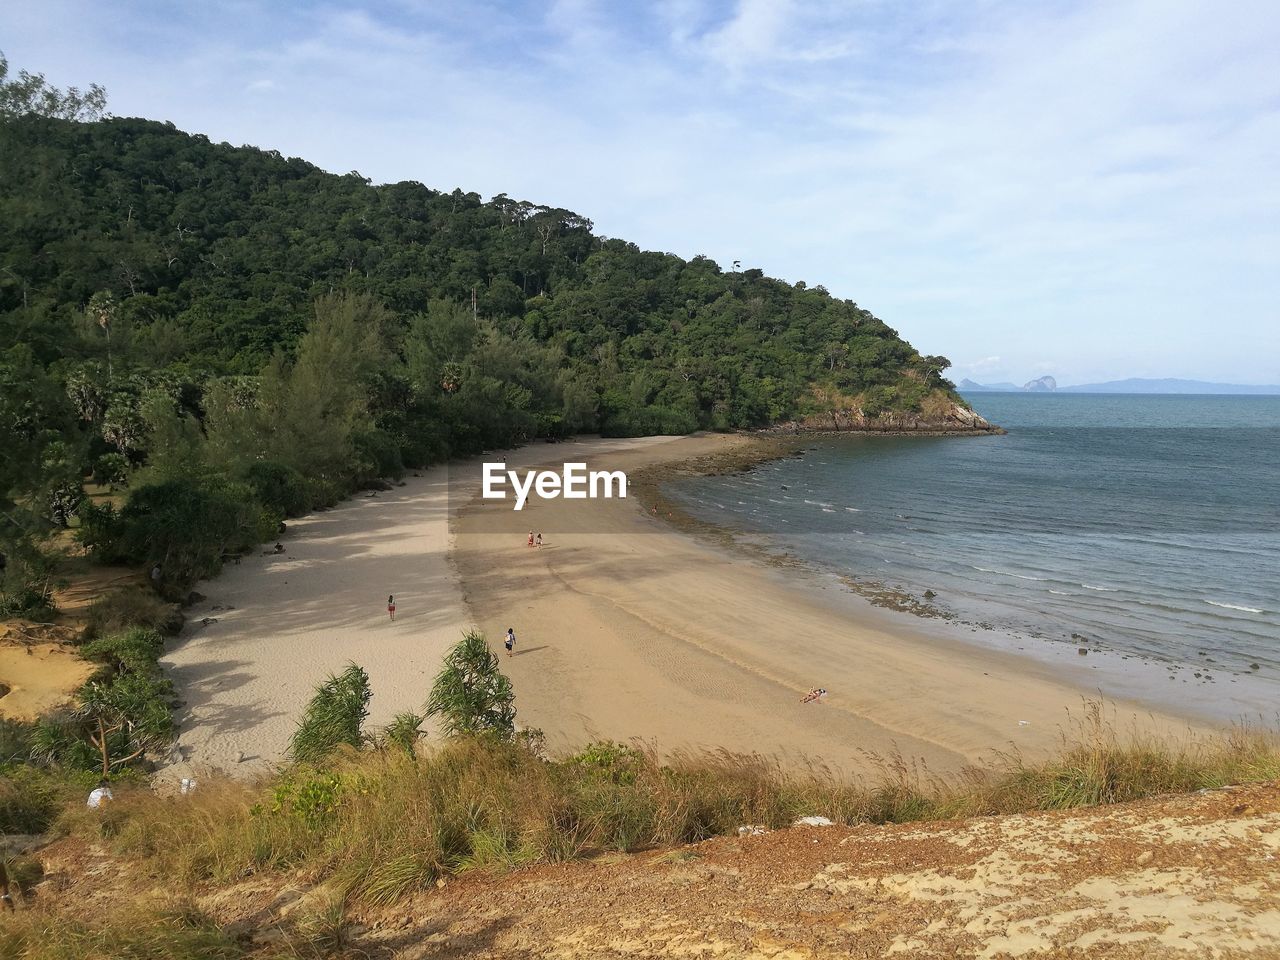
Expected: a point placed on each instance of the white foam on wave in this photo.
(1090, 586)
(853, 509)
(827, 510)
(1006, 573)
(1060, 593)
(819, 503)
(1233, 606)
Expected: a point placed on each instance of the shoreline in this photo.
(629, 629)
(1133, 675)
(642, 632)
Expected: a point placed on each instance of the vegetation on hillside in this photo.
(233, 337)
(378, 824)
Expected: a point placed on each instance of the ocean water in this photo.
(1145, 525)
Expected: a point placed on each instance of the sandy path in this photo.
(285, 622)
(628, 629)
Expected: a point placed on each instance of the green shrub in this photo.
(323, 492)
(404, 731)
(379, 456)
(182, 525)
(334, 716)
(471, 695)
(29, 800)
(137, 650)
(119, 715)
(279, 487)
(132, 607)
(15, 740)
(111, 470)
(309, 797)
(29, 601)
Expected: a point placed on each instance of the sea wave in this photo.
(1233, 606)
(1090, 586)
(1006, 573)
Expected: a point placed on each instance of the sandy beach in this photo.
(282, 623)
(627, 629)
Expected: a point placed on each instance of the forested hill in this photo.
(214, 255)
(252, 329)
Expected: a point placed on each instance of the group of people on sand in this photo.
(534, 541)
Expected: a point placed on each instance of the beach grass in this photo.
(127, 934)
(382, 823)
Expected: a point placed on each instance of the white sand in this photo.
(285, 622)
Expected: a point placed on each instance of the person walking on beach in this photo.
(510, 642)
(538, 540)
(530, 538)
(391, 607)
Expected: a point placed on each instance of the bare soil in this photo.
(1186, 876)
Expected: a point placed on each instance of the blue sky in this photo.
(1085, 189)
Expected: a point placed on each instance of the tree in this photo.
(125, 713)
(335, 716)
(30, 93)
(41, 455)
(126, 718)
(471, 695)
(102, 311)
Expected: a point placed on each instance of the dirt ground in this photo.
(1191, 876)
(39, 666)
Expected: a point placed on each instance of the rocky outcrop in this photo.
(953, 419)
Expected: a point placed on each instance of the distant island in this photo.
(1130, 385)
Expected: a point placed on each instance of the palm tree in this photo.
(471, 695)
(334, 716)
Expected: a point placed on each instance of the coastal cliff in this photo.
(950, 418)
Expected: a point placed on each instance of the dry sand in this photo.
(627, 629)
(37, 677)
(284, 622)
(40, 669)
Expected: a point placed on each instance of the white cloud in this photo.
(1092, 182)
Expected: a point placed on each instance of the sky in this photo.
(1084, 189)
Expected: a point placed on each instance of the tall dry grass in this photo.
(129, 934)
(383, 823)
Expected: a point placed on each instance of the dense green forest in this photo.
(232, 336)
